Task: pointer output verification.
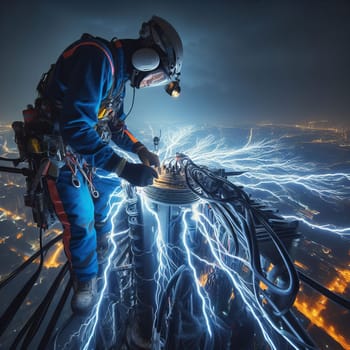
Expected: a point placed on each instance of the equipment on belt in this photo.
(42, 150)
(37, 148)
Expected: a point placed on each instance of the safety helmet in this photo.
(160, 61)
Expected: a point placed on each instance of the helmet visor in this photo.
(154, 78)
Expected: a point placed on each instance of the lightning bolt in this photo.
(265, 170)
(270, 171)
(86, 332)
(164, 270)
(341, 231)
(116, 201)
(204, 299)
(222, 259)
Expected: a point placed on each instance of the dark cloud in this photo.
(276, 60)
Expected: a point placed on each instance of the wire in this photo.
(328, 293)
(19, 269)
(132, 103)
(232, 205)
(37, 318)
(201, 176)
(50, 327)
(12, 309)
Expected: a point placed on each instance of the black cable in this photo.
(222, 191)
(229, 225)
(52, 323)
(291, 290)
(181, 331)
(132, 104)
(166, 295)
(12, 309)
(61, 329)
(302, 345)
(23, 171)
(326, 292)
(19, 269)
(293, 286)
(301, 336)
(237, 194)
(292, 273)
(39, 314)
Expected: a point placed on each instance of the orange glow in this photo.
(11, 215)
(309, 213)
(53, 260)
(10, 183)
(301, 265)
(262, 285)
(312, 312)
(203, 279)
(19, 235)
(54, 231)
(5, 212)
(313, 309)
(270, 267)
(4, 239)
(345, 276)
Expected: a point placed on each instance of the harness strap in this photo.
(112, 96)
(71, 51)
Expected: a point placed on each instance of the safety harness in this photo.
(40, 144)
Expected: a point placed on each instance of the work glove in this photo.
(146, 157)
(138, 174)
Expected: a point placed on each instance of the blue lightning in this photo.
(204, 299)
(270, 171)
(163, 273)
(273, 175)
(220, 253)
(86, 332)
(221, 257)
(265, 169)
(341, 231)
(116, 201)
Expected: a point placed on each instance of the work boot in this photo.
(84, 297)
(102, 249)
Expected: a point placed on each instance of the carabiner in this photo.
(94, 193)
(75, 181)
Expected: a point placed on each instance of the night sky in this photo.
(244, 61)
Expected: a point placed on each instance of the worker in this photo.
(83, 93)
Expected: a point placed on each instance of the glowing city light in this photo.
(265, 170)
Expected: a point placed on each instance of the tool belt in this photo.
(44, 151)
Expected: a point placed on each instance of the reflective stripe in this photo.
(71, 51)
(62, 215)
(131, 136)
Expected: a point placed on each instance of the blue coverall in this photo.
(83, 77)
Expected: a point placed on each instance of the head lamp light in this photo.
(173, 88)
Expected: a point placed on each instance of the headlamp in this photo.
(173, 88)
